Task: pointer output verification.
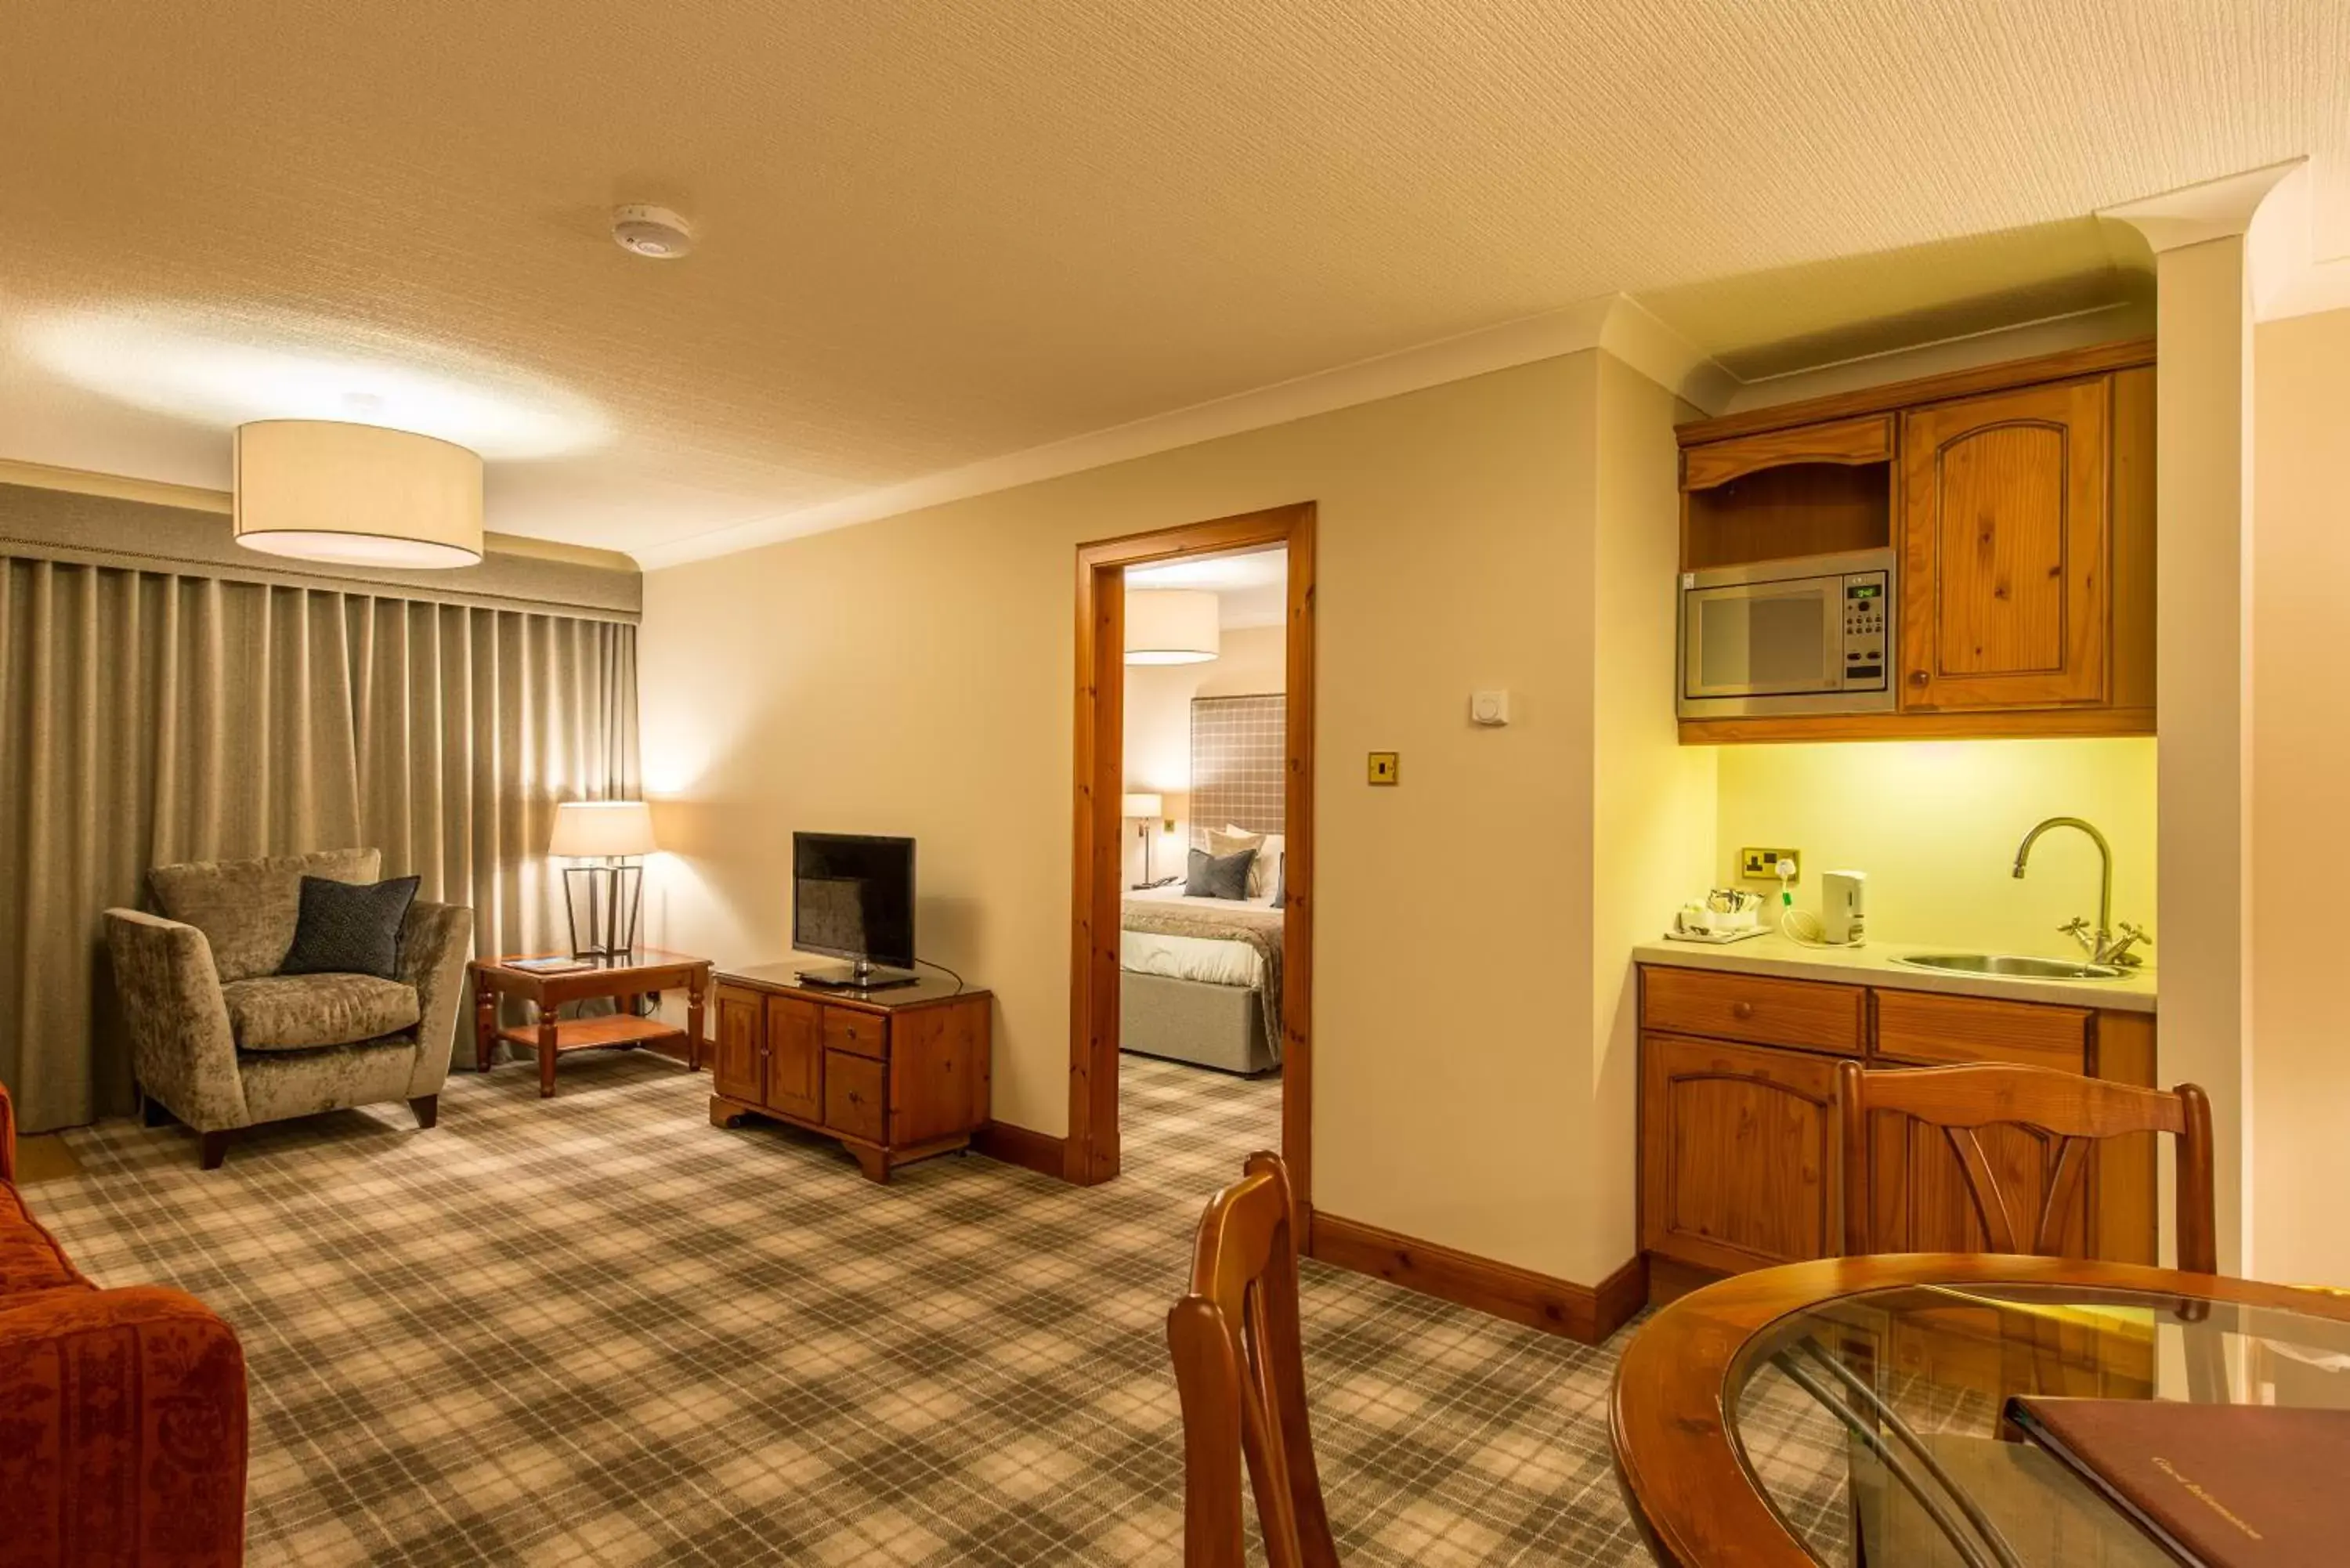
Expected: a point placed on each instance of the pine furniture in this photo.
(2019, 501)
(622, 980)
(1240, 1372)
(894, 1075)
(1742, 1162)
(2052, 1325)
(2028, 1210)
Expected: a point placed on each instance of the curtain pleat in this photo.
(148, 717)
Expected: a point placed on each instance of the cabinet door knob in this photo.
(1741, 1010)
(1916, 678)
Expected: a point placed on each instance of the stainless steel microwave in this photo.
(1810, 635)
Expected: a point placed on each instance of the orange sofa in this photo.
(123, 1417)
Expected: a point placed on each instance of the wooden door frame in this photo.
(1090, 1153)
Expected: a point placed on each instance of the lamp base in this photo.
(615, 897)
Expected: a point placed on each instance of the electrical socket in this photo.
(1762, 865)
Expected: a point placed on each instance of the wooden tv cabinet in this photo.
(895, 1075)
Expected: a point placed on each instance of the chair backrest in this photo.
(247, 910)
(2074, 1111)
(1240, 1369)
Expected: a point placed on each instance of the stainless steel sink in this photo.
(2013, 966)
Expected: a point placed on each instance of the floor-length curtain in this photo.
(148, 717)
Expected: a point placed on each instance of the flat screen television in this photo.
(853, 898)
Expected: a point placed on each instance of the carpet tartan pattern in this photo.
(596, 1330)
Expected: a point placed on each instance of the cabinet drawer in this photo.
(853, 1102)
(1923, 1027)
(861, 1033)
(1797, 1013)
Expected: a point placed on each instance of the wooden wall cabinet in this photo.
(2006, 582)
(2019, 502)
(894, 1075)
(1739, 1148)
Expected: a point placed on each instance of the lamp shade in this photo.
(1171, 626)
(357, 494)
(591, 828)
(1143, 805)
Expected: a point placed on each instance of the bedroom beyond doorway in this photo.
(1194, 778)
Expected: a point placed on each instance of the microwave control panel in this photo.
(1865, 642)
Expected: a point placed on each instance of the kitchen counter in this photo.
(1873, 965)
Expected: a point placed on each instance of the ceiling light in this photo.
(1171, 626)
(359, 495)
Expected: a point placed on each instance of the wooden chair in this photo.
(1240, 1369)
(2075, 1110)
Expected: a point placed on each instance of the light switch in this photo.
(1488, 708)
(1384, 767)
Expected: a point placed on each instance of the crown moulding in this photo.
(1615, 323)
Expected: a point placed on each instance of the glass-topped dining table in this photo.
(1851, 1410)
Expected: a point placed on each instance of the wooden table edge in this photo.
(1666, 1409)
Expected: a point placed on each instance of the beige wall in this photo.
(2300, 1065)
(2204, 527)
(1252, 661)
(1935, 824)
(1648, 831)
(913, 676)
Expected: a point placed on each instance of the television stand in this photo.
(893, 1075)
(856, 977)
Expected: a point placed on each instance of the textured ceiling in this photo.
(936, 233)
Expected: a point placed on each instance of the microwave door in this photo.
(1754, 639)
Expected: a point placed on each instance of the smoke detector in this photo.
(653, 231)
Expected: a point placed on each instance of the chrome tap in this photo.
(2104, 944)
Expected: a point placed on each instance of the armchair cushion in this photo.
(247, 910)
(349, 928)
(303, 1012)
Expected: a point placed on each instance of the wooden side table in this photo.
(625, 979)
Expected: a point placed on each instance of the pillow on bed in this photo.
(1264, 869)
(1218, 876)
(1233, 840)
(1281, 885)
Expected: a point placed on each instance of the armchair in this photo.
(222, 1041)
(126, 1427)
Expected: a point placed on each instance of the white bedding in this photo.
(1189, 958)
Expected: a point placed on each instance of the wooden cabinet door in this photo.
(735, 1058)
(1738, 1164)
(2007, 547)
(796, 1057)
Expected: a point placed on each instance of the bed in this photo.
(1200, 981)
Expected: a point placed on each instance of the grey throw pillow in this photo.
(1213, 876)
(1281, 884)
(349, 928)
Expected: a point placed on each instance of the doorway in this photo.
(1103, 847)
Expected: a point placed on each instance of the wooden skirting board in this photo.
(1031, 1150)
(1585, 1312)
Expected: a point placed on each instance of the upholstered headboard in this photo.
(1238, 764)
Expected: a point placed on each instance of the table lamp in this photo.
(614, 833)
(1145, 808)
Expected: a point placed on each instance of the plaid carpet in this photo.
(597, 1330)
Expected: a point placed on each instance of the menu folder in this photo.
(2216, 1486)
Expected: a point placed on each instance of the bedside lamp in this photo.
(614, 832)
(1144, 808)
